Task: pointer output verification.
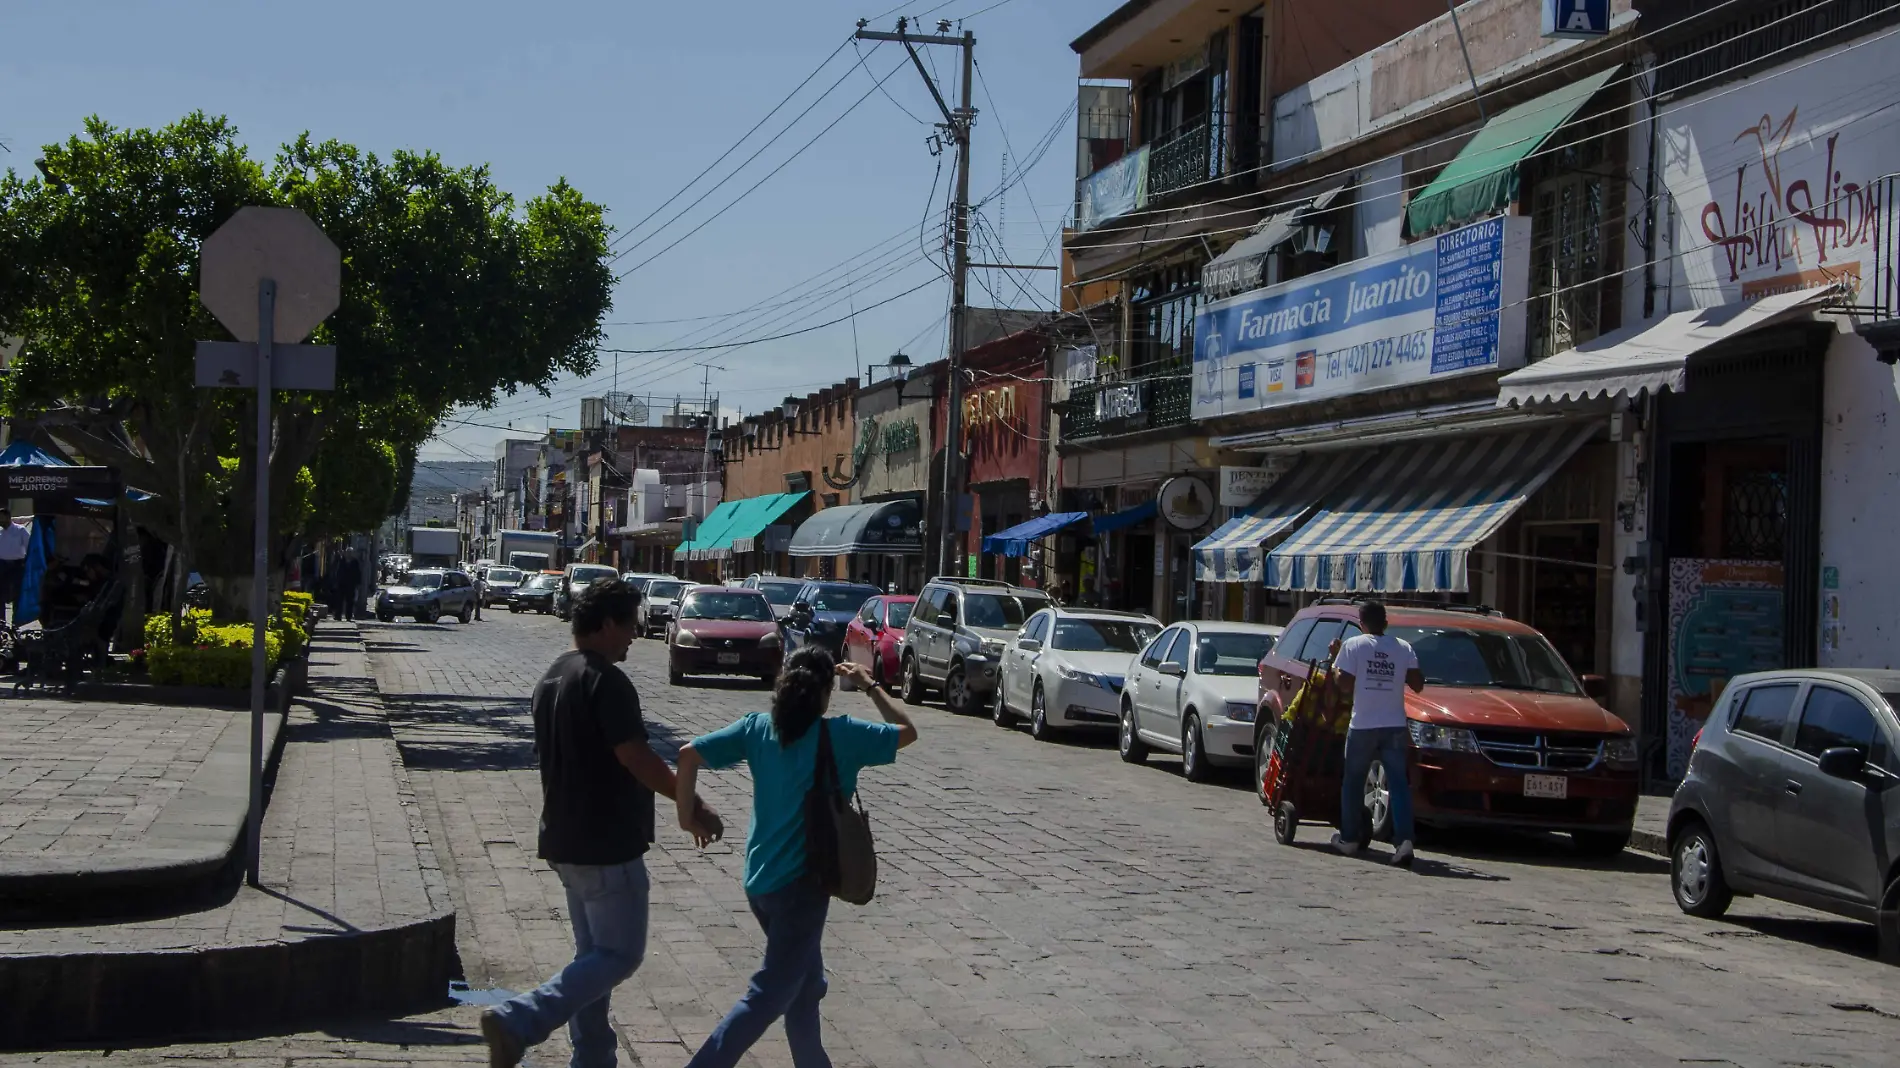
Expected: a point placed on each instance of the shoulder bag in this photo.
(838, 844)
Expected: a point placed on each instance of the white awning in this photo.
(1650, 356)
(1243, 266)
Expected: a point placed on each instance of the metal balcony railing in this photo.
(1151, 399)
(1180, 160)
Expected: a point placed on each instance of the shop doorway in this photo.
(1563, 589)
(1138, 573)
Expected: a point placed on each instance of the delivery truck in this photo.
(434, 547)
(529, 550)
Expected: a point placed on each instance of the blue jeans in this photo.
(608, 906)
(789, 983)
(1387, 745)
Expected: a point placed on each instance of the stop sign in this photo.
(281, 244)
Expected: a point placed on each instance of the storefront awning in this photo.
(749, 520)
(708, 530)
(1243, 266)
(1650, 356)
(888, 527)
(1483, 178)
(1406, 521)
(1233, 553)
(1014, 541)
(1128, 517)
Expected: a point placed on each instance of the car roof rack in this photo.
(1123, 612)
(1412, 602)
(962, 580)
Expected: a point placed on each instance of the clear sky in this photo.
(628, 101)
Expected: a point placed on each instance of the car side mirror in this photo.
(1029, 645)
(1169, 667)
(1596, 687)
(1843, 762)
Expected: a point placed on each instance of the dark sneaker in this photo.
(504, 1049)
(1345, 848)
(1402, 857)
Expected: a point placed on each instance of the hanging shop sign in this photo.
(1241, 486)
(1185, 502)
(1576, 19)
(1119, 401)
(1776, 180)
(1434, 309)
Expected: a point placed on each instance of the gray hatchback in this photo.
(1793, 792)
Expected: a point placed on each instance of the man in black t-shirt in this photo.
(598, 778)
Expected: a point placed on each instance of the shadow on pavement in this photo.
(404, 1033)
(1536, 848)
(1822, 932)
(456, 732)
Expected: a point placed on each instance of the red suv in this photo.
(1505, 735)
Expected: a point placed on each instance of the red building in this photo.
(1005, 420)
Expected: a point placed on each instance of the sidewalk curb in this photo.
(1649, 842)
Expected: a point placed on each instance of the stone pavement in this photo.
(352, 910)
(97, 794)
(1046, 905)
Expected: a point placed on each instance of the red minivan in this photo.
(1505, 734)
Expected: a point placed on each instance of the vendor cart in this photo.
(1308, 756)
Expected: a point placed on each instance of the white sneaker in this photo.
(1402, 856)
(1345, 848)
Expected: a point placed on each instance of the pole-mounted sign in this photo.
(270, 276)
(1577, 18)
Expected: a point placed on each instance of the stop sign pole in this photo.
(277, 257)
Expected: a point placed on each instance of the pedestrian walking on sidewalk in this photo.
(598, 778)
(13, 543)
(786, 897)
(481, 591)
(1371, 672)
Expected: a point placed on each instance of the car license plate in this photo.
(732, 658)
(1552, 786)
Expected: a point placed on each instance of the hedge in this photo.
(194, 651)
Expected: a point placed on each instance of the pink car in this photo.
(874, 633)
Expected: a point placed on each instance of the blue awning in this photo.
(1014, 541)
(1406, 522)
(23, 453)
(1128, 517)
(1233, 553)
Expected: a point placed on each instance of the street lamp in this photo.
(900, 367)
(790, 410)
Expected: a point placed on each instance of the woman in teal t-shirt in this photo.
(782, 750)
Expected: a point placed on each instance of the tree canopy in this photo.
(452, 294)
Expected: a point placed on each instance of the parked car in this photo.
(659, 604)
(640, 580)
(821, 613)
(780, 591)
(1193, 691)
(499, 583)
(1791, 793)
(876, 633)
(1505, 735)
(428, 595)
(723, 630)
(1067, 666)
(574, 579)
(535, 594)
(957, 635)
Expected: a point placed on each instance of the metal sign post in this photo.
(278, 257)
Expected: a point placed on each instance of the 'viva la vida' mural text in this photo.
(1787, 221)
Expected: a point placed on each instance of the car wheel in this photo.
(674, 675)
(1378, 803)
(1194, 765)
(514, 609)
(468, 612)
(431, 614)
(913, 690)
(877, 672)
(1133, 749)
(1695, 874)
(1887, 923)
(1263, 759)
(1039, 727)
(999, 712)
(956, 691)
(1601, 845)
(386, 617)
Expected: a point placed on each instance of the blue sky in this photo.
(627, 101)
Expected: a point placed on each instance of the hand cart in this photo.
(1308, 757)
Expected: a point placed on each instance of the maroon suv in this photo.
(1505, 735)
(723, 630)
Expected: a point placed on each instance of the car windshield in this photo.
(1102, 635)
(424, 580)
(1230, 652)
(504, 574)
(993, 611)
(1455, 656)
(897, 615)
(586, 576)
(780, 592)
(538, 582)
(839, 598)
(726, 605)
(665, 589)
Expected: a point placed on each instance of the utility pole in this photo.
(958, 124)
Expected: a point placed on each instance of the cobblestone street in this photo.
(1045, 905)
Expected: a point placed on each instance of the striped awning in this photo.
(1406, 522)
(1233, 553)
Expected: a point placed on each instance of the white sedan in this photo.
(1065, 668)
(1194, 690)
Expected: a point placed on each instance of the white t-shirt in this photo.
(13, 541)
(1378, 666)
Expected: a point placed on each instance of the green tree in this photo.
(452, 294)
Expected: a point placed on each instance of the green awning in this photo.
(709, 528)
(1483, 178)
(743, 521)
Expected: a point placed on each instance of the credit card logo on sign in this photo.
(1276, 375)
(1246, 380)
(1303, 369)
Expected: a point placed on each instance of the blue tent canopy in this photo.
(23, 453)
(1014, 541)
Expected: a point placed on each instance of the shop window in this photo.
(1574, 201)
(1164, 303)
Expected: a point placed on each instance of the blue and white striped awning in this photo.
(1234, 551)
(1405, 522)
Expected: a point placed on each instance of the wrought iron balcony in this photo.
(1161, 398)
(1180, 161)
